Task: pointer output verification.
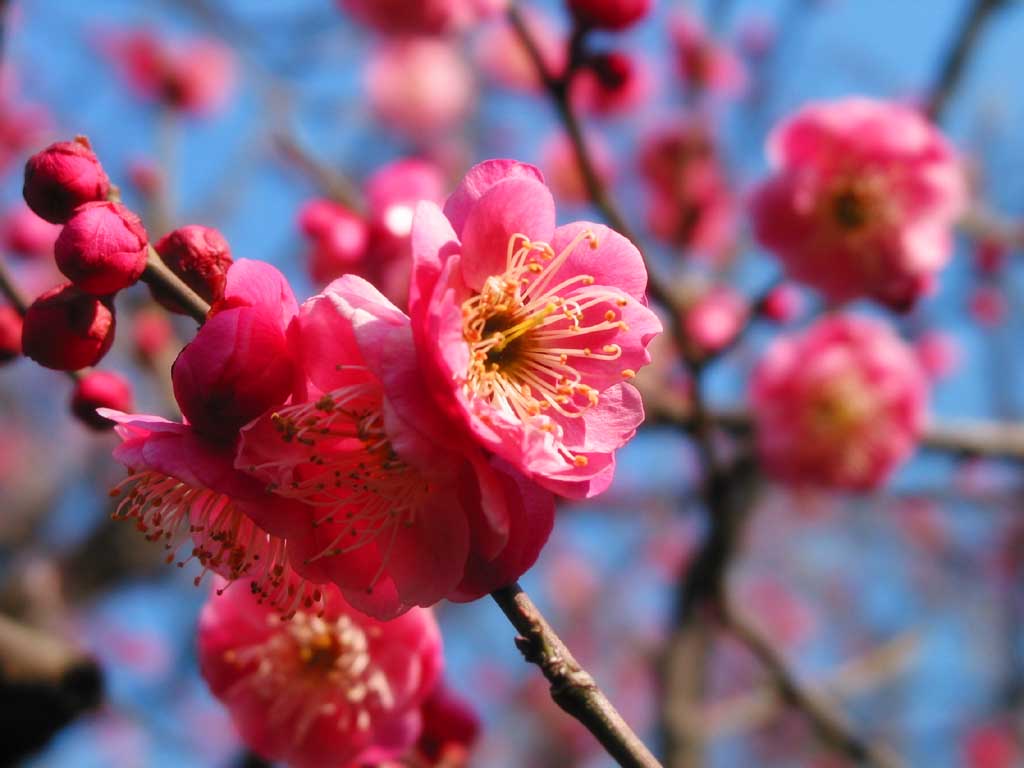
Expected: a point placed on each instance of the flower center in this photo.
(528, 335)
(224, 539)
(340, 460)
(311, 667)
(840, 409)
(858, 205)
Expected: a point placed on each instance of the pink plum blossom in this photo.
(333, 687)
(194, 76)
(715, 318)
(337, 239)
(705, 64)
(840, 405)
(421, 17)
(400, 511)
(691, 202)
(614, 83)
(861, 201)
(528, 334)
(419, 85)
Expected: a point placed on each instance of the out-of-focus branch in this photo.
(969, 437)
(828, 721)
(44, 684)
(572, 687)
(9, 288)
(334, 184)
(954, 65)
(860, 674)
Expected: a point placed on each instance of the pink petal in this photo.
(515, 206)
(478, 181)
(615, 261)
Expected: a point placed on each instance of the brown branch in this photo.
(161, 277)
(830, 723)
(969, 437)
(853, 677)
(330, 182)
(954, 65)
(572, 687)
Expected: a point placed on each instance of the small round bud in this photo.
(10, 334)
(609, 14)
(100, 389)
(67, 329)
(62, 177)
(200, 256)
(102, 248)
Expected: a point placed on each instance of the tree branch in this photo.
(831, 725)
(954, 65)
(572, 687)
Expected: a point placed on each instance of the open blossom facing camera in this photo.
(329, 688)
(529, 333)
(862, 201)
(840, 405)
(400, 513)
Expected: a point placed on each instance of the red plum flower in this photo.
(331, 688)
(840, 405)
(62, 177)
(10, 334)
(182, 479)
(861, 202)
(419, 85)
(502, 55)
(610, 14)
(200, 256)
(529, 333)
(704, 64)
(194, 76)
(401, 512)
(338, 239)
(100, 389)
(422, 17)
(102, 248)
(67, 329)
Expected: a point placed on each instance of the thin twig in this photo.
(828, 721)
(160, 276)
(335, 185)
(572, 687)
(955, 64)
(967, 437)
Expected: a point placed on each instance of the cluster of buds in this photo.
(102, 248)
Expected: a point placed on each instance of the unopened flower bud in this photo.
(609, 14)
(62, 177)
(102, 248)
(200, 256)
(10, 334)
(100, 389)
(67, 329)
